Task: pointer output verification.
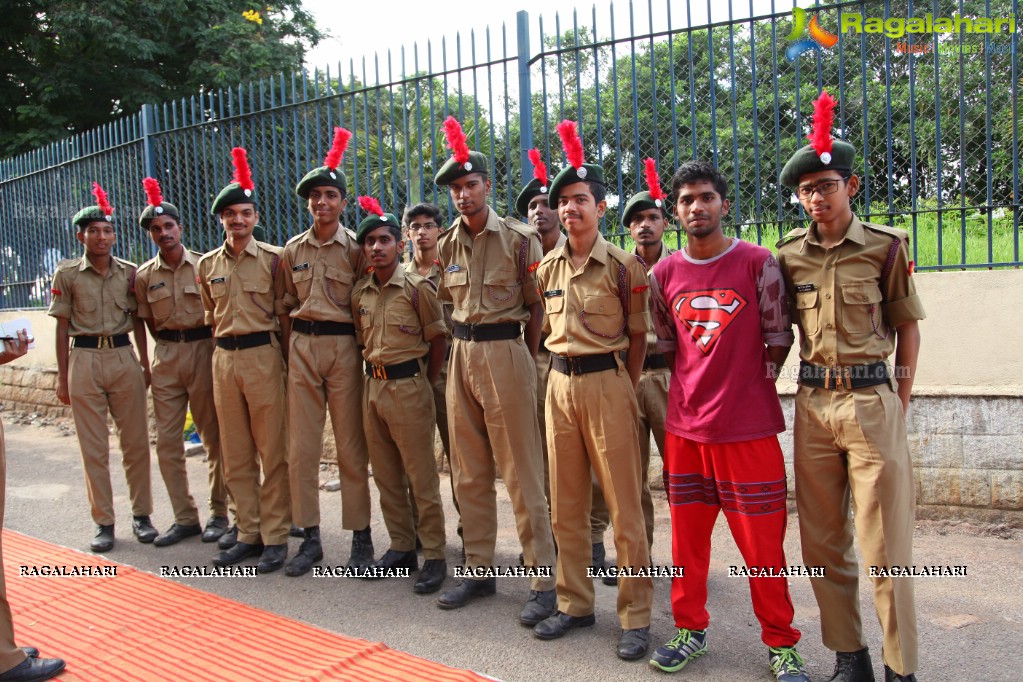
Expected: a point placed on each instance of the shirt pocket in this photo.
(218, 289)
(337, 285)
(860, 307)
(85, 309)
(602, 315)
(809, 312)
(554, 305)
(457, 283)
(259, 294)
(500, 287)
(403, 329)
(303, 280)
(161, 302)
(191, 299)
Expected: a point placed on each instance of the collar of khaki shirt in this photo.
(340, 236)
(597, 253)
(87, 265)
(188, 257)
(462, 230)
(397, 280)
(853, 233)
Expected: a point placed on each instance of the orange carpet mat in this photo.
(94, 623)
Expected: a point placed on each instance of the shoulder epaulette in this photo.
(296, 238)
(889, 230)
(792, 235)
(519, 227)
(68, 263)
(125, 263)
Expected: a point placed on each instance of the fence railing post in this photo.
(148, 157)
(525, 94)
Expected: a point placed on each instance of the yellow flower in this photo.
(253, 15)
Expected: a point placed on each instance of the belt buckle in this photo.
(104, 342)
(575, 365)
(380, 372)
(472, 332)
(841, 377)
(314, 328)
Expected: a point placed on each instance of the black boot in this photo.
(854, 666)
(362, 549)
(309, 553)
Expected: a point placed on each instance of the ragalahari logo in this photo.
(818, 36)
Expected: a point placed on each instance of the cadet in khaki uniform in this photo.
(855, 303)
(94, 303)
(168, 300)
(489, 264)
(596, 297)
(645, 216)
(400, 320)
(321, 266)
(422, 223)
(242, 286)
(532, 204)
(16, 663)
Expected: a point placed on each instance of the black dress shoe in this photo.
(540, 606)
(392, 559)
(431, 577)
(175, 534)
(853, 666)
(33, 670)
(216, 526)
(309, 553)
(273, 558)
(560, 623)
(30, 651)
(892, 676)
(104, 539)
(633, 643)
(229, 539)
(469, 589)
(143, 529)
(240, 552)
(296, 532)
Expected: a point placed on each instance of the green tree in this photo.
(72, 65)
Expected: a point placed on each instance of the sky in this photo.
(361, 28)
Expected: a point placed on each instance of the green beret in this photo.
(231, 195)
(532, 189)
(372, 222)
(90, 214)
(322, 177)
(588, 172)
(806, 161)
(151, 212)
(641, 201)
(258, 232)
(452, 170)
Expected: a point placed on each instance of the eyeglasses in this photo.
(419, 227)
(823, 187)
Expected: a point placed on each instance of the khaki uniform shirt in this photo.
(584, 307)
(94, 305)
(396, 321)
(844, 311)
(170, 297)
(242, 294)
(319, 277)
(435, 277)
(490, 278)
(651, 338)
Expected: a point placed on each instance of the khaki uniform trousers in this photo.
(543, 369)
(325, 373)
(492, 417)
(852, 444)
(183, 377)
(400, 439)
(10, 654)
(440, 405)
(99, 379)
(589, 427)
(248, 389)
(652, 398)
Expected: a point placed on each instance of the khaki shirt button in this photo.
(828, 266)
(831, 361)
(828, 296)
(831, 326)
(571, 338)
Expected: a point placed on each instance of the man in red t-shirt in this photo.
(721, 317)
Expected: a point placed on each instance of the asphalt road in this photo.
(971, 628)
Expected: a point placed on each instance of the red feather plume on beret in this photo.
(101, 199)
(456, 140)
(823, 118)
(539, 167)
(337, 150)
(242, 172)
(371, 205)
(571, 142)
(653, 182)
(153, 194)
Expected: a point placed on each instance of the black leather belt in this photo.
(116, 341)
(185, 335)
(855, 376)
(243, 341)
(655, 361)
(486, 332)
(583, 364)
(322, 327)
(402, 370)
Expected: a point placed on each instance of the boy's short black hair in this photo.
(692, 172)
(430, 210)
